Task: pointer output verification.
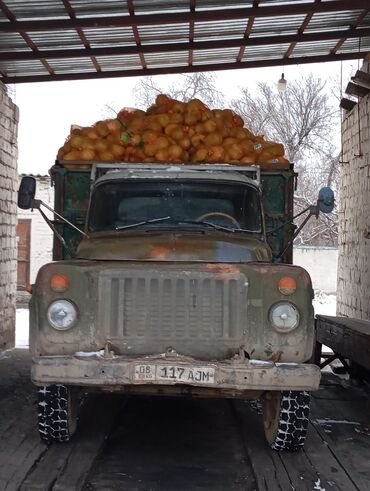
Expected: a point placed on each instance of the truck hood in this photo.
(209, 247)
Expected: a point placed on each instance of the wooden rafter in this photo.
(184, 69)
(11, 17)
(81, 34)
(135, 31)
(356, 24)
(301, 30)
(247, 33)
(181, 17)
(195, 45)
(191, 33)
(204, 52)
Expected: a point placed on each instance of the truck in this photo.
(172, 279)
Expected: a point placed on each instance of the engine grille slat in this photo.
(156, 309)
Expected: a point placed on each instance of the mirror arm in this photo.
(313, 211)
(36, 203)
(55, 231)
(288, 222)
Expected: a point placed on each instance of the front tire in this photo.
(285, 419)
(57, 412)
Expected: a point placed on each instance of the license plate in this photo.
(175, 373)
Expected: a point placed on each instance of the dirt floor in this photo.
(142, 443)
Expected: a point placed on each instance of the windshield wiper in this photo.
(145, 222)
(217, 227)
(209, 224)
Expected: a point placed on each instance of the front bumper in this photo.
(97, 370)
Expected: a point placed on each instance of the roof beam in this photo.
(247, 33)
(354, 25)
(136, 34)
(11, 17)
(183, 69)
(191, 32)
(173, 47)
(301, 29)
(183, 17)
(80, 33)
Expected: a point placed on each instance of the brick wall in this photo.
(41, 235)
(8, 217)
(353, 297)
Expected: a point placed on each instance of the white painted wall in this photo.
(321, 263)
(41, 234)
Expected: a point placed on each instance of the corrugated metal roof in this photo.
(71, 39)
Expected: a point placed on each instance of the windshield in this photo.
(152, 204)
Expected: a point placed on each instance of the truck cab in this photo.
(174, 289)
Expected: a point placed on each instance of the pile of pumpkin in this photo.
(171, 131)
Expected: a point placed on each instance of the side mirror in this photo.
(26, 192)
(326, 200)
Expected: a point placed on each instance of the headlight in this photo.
(284, 317)
(62, 314)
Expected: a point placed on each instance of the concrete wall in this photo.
(41, 235)
(321, 263)
(353, 298)
(9, 117)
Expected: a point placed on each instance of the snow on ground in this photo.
(323, 303)
(21, 328)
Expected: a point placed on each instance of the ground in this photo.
(174, 444)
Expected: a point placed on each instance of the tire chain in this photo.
(53, 414)
(293, 420)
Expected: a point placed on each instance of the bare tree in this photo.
(300, 118)
(304, 119)
(186, 87)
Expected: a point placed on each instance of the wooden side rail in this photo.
(348, 338)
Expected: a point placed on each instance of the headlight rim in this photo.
(284, 330)
(62, 329)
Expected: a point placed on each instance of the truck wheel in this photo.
(285, 418)
(57, 412)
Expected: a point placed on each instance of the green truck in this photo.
(173, 279)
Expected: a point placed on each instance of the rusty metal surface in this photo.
(50, 40)
(72, 189)
(120, 371)
(258, 338)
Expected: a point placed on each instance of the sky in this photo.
(48, 109)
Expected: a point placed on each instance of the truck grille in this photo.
(185, 310)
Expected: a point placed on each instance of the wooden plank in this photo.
(347, 104)
(269, 471)
(356, 325)
(362, 78)
(349, 337)
(356, 90)
(20, 445)
(308, 469)
(23, 447)
(88, 442)
(347, 439)
(167, 444)
(50, 466)
(332, 474)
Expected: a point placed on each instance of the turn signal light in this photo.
(287, 285)
(59, 282)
